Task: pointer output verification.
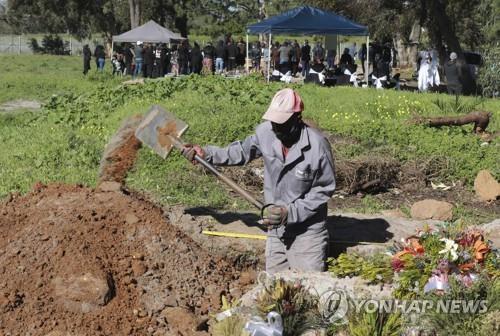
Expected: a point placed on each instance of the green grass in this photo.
(64, 141)
(40, 76)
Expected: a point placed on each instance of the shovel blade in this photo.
(157, 127)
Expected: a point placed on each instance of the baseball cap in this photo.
(285, 103)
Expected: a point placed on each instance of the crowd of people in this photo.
(315, 63)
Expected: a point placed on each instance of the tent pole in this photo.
(269, 60)
(247, 66)
(367, 58)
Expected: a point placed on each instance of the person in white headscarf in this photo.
(434, 79)
(424, 73)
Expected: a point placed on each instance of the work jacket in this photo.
(303, 182)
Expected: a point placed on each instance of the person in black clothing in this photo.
(164, 60)
(362, 56)
(196, 59)
(183, 58)
(305, 58)
(232, 54)
(157, 66)
(87, 55)
(149, 59)
(128, 59)
(453, 75)
(346, 59)
(242, 53)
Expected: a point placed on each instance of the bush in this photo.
(51, 44)
(488, 73)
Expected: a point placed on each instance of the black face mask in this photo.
(289, 132)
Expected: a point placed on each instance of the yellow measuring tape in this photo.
(235, 235)
(264, 237)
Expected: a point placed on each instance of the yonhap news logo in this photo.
(336, 305)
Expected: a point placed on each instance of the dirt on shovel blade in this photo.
(74, 261)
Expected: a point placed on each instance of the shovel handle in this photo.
(258, 204)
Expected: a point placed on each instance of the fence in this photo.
(20, 44)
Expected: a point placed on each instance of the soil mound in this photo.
(75, 261)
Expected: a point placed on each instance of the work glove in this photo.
(189, 151)
(275, 215)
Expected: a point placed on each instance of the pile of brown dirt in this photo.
(75, 261)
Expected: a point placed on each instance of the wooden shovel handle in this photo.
(233, 185)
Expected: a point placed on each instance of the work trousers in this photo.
(302, 252)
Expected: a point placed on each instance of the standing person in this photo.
(220, 55)
(255, 55)
(128, 57)
(138, 57)
(362, 57)
(424, 72)
(453, 75)
(100, 56)
(275, 54)
(149, 59)
(183, 58)
(157, 65)
(330, 58)
(208, 58)
(285, 57)
(353, 51)
(87, 55)
(318, 52)
(265, 57)
(299, 180)
(196, 59)
(164, 60)
(434, 79)
(242, 53)
(174, 60)
(295, 57)
(305, 58)
(232, 54)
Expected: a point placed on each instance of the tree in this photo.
(135, 13)
(80, 18)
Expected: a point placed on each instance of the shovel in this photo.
(161, 131)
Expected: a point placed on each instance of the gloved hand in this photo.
(189, 151)
(275, 215)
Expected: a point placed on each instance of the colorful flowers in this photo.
(450, 249)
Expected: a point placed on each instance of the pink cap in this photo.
(285, 103)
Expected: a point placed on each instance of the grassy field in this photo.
(65, 140)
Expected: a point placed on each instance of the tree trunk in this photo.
(181, 25)
(481, 119)
(449, 36)
(135, 13)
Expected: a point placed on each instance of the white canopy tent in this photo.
(148, 32)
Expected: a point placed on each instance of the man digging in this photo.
(299, 179)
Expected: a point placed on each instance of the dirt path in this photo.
(20, 104)
(80, 262)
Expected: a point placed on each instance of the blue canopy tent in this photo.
(308, 20)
